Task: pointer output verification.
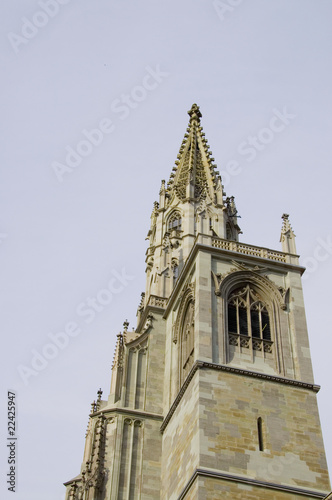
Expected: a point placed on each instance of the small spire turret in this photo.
(287, 237)
(162, 195)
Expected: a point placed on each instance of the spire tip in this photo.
(194, 112)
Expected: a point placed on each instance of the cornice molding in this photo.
(127, 411)
(251, 482)
(237, 371)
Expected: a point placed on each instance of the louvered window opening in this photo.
(248, 321)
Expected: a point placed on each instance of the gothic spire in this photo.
(194, 176)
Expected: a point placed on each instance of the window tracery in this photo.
(249, 320)
(175, 222)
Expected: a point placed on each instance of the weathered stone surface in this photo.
(213, 395)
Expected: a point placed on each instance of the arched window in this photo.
(187, 341)
(248, 320)
(174, 222)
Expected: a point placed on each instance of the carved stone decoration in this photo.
(190, 287)
(188, 293)
(131, 421)
(174, 263)
(149, 263)
(98, 403)
(93, 474)
(118, 353)
(148, 323)
(174, 335)
(166, 242)
(284, 292)
(218, 279)
(157, 301)
(202, 207)
(140, 308)
(72, 491)
(252, 275)
(244, 267)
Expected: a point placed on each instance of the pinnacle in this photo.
(194, 112)
(286, 225)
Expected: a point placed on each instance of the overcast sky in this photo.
(95, 97)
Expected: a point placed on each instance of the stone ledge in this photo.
(128, 411)
(250, 482)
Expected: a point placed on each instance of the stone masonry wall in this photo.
(180, 451)
(293, 451)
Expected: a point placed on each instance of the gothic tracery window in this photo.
(248, 320)
(175, 222)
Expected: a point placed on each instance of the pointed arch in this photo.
(252, 305)
(184, 334)
(174, 221)
(224, 285)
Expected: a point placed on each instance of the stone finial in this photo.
(286, 226)
(162, 195)
(194, 112)
(125, 326)
(99, 394)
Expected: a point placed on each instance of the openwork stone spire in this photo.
(194, 175)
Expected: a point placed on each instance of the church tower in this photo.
(212, 396)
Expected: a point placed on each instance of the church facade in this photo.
(213, 395)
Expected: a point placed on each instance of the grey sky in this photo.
(62, 242)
